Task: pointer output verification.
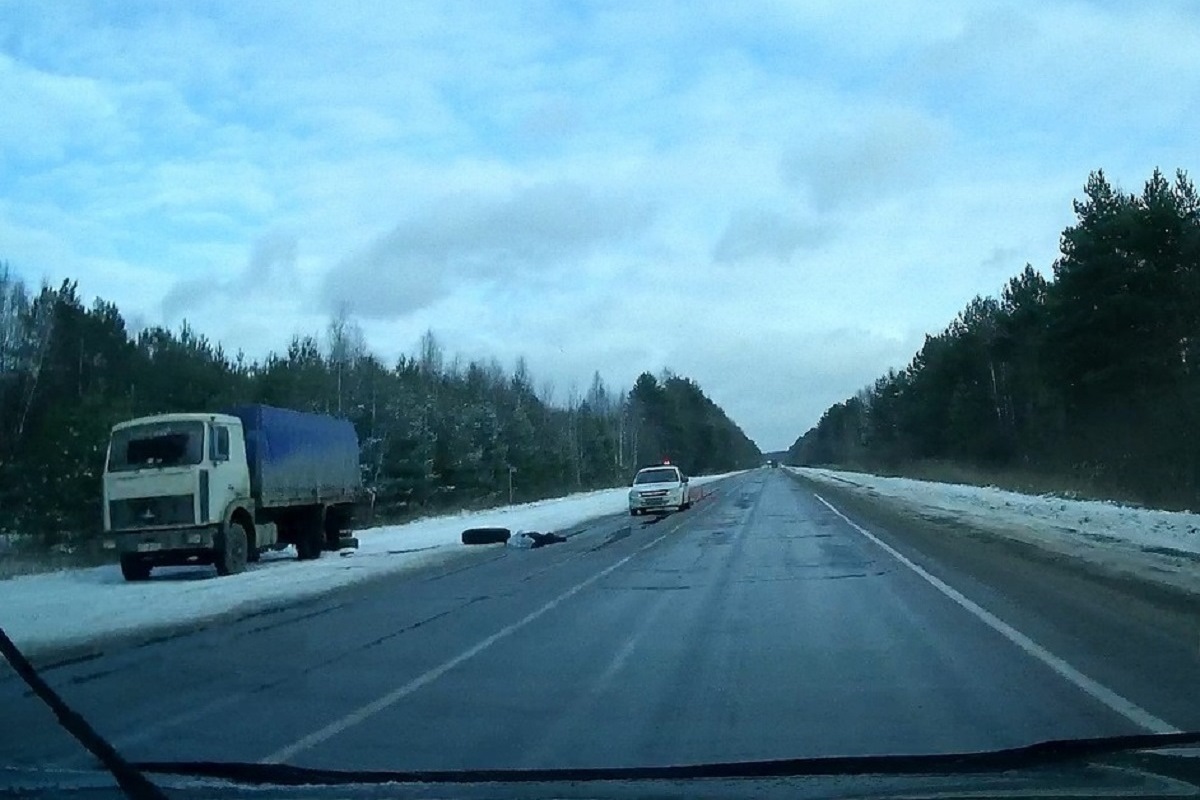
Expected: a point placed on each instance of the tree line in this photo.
(435, 432)
(1092, 375)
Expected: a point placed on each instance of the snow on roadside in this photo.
(72, 607)
(1161, 546)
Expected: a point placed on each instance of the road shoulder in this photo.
(995, 557)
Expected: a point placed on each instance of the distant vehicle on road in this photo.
(659, 489)
(222, 488)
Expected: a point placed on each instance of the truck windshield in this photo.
(161, 444)
(657, 476)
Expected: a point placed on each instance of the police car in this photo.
(659, 489)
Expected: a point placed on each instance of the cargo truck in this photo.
(221, 488)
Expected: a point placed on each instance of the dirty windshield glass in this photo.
(163, 445)
(546, 384)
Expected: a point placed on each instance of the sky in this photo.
(778, 200)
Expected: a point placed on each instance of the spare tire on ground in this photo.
(485, 535)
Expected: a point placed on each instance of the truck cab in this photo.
(170, 484)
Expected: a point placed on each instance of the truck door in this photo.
(212, 479)
(226, 477)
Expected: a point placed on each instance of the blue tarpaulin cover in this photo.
(297, 458)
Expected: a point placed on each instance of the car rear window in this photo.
(664, 475)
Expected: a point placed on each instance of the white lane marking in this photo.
(399, 693)
(626, 650)
(1098, 691)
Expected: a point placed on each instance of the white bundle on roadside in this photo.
(521, 540)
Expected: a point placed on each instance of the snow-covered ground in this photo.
(71, 607)
(1160, 546)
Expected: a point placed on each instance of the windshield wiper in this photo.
(128, 777)
(1028, 757)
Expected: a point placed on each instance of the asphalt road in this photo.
(766, 622)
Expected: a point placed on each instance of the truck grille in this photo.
(151, 512)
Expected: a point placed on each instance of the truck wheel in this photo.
(485, 535)
(332, 525)
(134, 569)
(230, 545)
(253, 552)
(310, 540)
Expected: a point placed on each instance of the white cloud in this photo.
(797, 189)
(1067, 73)
(867, 157)
(758, 233)
(471, 238)
(269, 273)
(47, 114)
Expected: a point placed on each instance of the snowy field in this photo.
(1160, 546)
(71, 607)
